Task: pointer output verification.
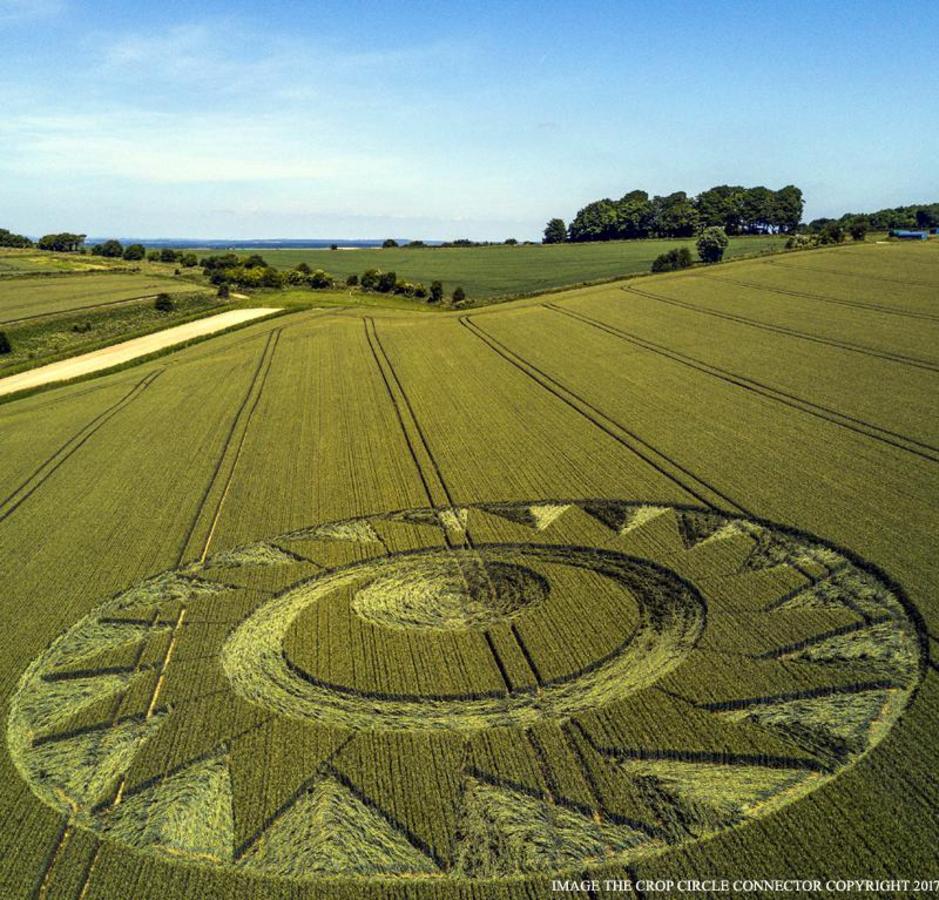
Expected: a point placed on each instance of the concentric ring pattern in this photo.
(488, 690)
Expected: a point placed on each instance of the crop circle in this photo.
(498, 689)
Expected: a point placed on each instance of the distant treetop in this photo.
(736, 209)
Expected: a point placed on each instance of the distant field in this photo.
(630, 581)
(28, 297)
(16, 262)
(500, 271)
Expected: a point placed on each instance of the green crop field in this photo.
(629, 581)
(505, 271)
(25, 298)
(40, 262)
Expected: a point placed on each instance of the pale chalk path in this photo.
(128, 350)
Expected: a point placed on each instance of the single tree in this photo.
(303, 267)
(387, 281)
(320, 279)
(167, 255)
(189, 260)
(134, 252)
(113, 249)
(164, 303)
(858, 230)
(224, 292)
(352, 280)
(831, 233)
(786, 207)
(388, 243)
(271, 278)
(555, 232)
(153, 256)
(711, 244)
(511, 241)
(436, 292)
(370, 279)
(5, 343)
(334, 246)
(459, 295)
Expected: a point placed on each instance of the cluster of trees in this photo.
(919, 215)
(114, 249)
(9, 239)
(168, 255)
(736, 209)
(244, 271)
(466, 242)
(712, 242)
(459, 242)
(676, 258)
(64, 242)
(389, 283)
(254, 272)
(827, 231)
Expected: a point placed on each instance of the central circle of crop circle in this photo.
(453, 592)
(275, 659)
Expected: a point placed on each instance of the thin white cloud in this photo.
(175, 149)
(232, 58)
(15, 11)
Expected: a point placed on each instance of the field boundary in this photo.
(92, 347)
(140, 360)
(818, 410)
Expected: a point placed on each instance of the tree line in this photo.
(736, 209)
(918, 215)
(9, 239)
(230, 269)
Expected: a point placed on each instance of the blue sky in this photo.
(439, 120)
